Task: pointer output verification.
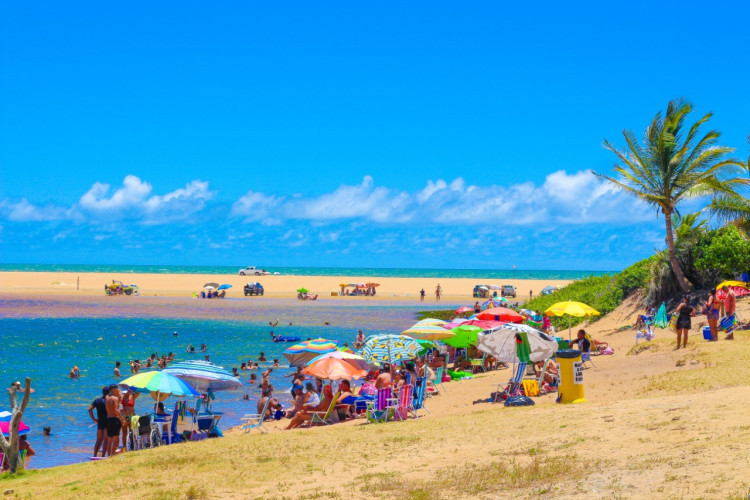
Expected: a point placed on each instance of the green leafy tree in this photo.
(674, 163)
(726, 255)
(733, 208)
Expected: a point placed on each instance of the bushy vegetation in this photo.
(603, 293)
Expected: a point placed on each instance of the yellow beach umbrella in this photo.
(731, 283)
(571, 308)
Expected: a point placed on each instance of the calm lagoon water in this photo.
(46, 349)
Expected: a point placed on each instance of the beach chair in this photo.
(514, 385)
(586, 358)
(418, 399)
(255, 420)
(403, 402)
(438, 382)
(377, 411)
(324, 417)
(478, 363)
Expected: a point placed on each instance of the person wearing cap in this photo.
(101, 422)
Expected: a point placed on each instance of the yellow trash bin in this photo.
(571, 376)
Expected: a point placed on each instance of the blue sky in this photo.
(428, 134)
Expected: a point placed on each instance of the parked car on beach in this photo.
(253, 271)
(253, 289)
(508, 291)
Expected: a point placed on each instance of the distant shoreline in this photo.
(372, 272)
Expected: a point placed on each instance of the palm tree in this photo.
(673, 164)
(733, 208)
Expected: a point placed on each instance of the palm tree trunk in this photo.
(676, 269)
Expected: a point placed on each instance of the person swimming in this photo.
(190, 348)
(75, 372)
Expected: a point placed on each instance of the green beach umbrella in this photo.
(466, 335)
(302, 290)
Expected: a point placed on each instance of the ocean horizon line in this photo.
(387, 272)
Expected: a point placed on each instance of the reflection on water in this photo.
(46, 349)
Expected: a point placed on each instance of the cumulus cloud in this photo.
(133, 201)
(562, 198)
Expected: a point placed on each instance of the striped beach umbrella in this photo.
(337, 366)
(5, 417)
(428, 332)
(430, 321)
(204, 376)
(390, 349)
(300, 354)
(158, 384)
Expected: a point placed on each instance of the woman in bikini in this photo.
(128, 410)
(712, 314)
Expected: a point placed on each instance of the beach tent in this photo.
(502, 343)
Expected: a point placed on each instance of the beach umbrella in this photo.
(484, 324)
(501, 314)
(428, 332)
(739, 291)
(455, 322)
(571, 308)
(300, 354)
(661, 320)
(337, 365)
(336, 369)
(430, 322)
(211, 284)
(731, 283)
(209, 287)
(502, 344)
(204, 376)
(390, 349)
(158, 384)
(302, 290)
(5, 417)
(224, 286)
(463, 310)
(495, 287)
(465, 335)
(372, 285)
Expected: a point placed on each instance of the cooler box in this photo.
(707, 333)
(745, 277)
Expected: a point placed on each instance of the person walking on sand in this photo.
(729, 306)
(421, 295)
(684, 312)
(438, 291)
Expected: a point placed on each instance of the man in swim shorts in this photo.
(101, 422)
(114, 418)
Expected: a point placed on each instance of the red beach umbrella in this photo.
(501, 314)
(464, 309)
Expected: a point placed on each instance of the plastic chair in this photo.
(255, 420)
(377, 411)
(403, 403)
(324, 417)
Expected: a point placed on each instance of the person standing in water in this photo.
(100, 405)
(114, 418)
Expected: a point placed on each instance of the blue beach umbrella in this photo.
(224, 287)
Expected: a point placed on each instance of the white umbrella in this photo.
(495, 287)
(500, 343)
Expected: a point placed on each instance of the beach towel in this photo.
(661, 320)
(530, 387)
(523, 350)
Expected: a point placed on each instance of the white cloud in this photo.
(23, 211)
(563, 198)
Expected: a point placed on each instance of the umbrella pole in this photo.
(156, 405)
(570, 321)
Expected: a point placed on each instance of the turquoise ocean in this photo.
(386, 272)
